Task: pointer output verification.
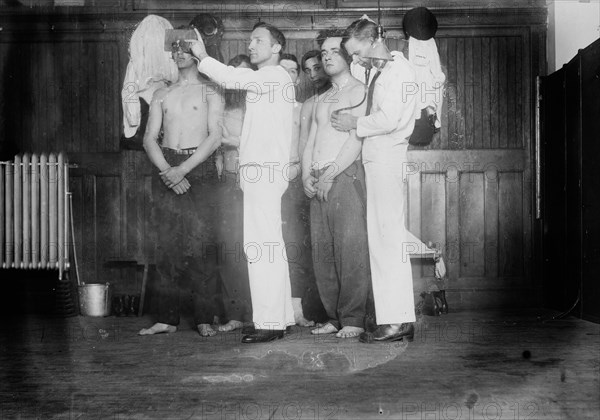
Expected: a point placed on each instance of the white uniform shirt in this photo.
(268, 122)
(394, 110)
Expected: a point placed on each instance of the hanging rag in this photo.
(425, 58)
(150, 67)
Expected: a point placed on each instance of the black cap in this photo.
(420, 23)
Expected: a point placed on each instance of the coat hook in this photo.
(52, 28)
(103, 25)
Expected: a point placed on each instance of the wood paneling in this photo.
(51, 104)
(483, 92)
(470, 193)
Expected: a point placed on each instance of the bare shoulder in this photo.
(160, 94)
(212, 87)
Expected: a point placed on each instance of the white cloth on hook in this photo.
(150, 67)
(425, 58)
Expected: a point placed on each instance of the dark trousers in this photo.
(340, 248)
(232, 260)
(295, 215)
(186, 252)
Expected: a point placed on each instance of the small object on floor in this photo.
(433, 303)
(134, 305)
(349, 332)
(262, 336)
(230, 326)
(158, 328)
(440, 297)
(387, 332)
(326, 328)
(126, 304)
(205, 330)
(117, 306)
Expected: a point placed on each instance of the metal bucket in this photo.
(94, 299)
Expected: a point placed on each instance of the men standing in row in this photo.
(334, 177)
(386, 131)
(264, 154)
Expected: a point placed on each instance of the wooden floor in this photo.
(460, 366)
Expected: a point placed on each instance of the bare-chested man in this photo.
(184, 193)
(312, 66)
(233, 264)
(334, 177)
(295, 215)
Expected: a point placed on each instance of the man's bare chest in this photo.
(185, 100)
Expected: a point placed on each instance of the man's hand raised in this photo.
(197, 46)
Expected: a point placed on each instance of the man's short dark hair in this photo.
(334, 33)
(276, 34)
(329, 33)
(360, 29)
(290, 57)
(311, 54)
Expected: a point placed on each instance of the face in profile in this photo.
(333, 59)
(291, 67)
(261, 46)
(358, 49)
(313, 68)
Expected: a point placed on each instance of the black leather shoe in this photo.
(262, 336)
(387, 332)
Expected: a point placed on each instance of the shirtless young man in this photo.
(312, 66)
(184, 193)
(233, 265)
(334, 177)
(295, 218)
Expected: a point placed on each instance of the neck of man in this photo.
(341, 79)
(188, 74)
(323, 87)
(273, 61)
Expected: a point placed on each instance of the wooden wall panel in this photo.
(510, 224)
(472, 224)
(51, 104)
(433, 209)
(484, 92)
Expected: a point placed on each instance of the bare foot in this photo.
(299, 314)
(158, 328)
(325, 329)
(206, 330)
(230, 326)
(349, 332)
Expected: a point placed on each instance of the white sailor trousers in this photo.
(264, 247)
(391, 271)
